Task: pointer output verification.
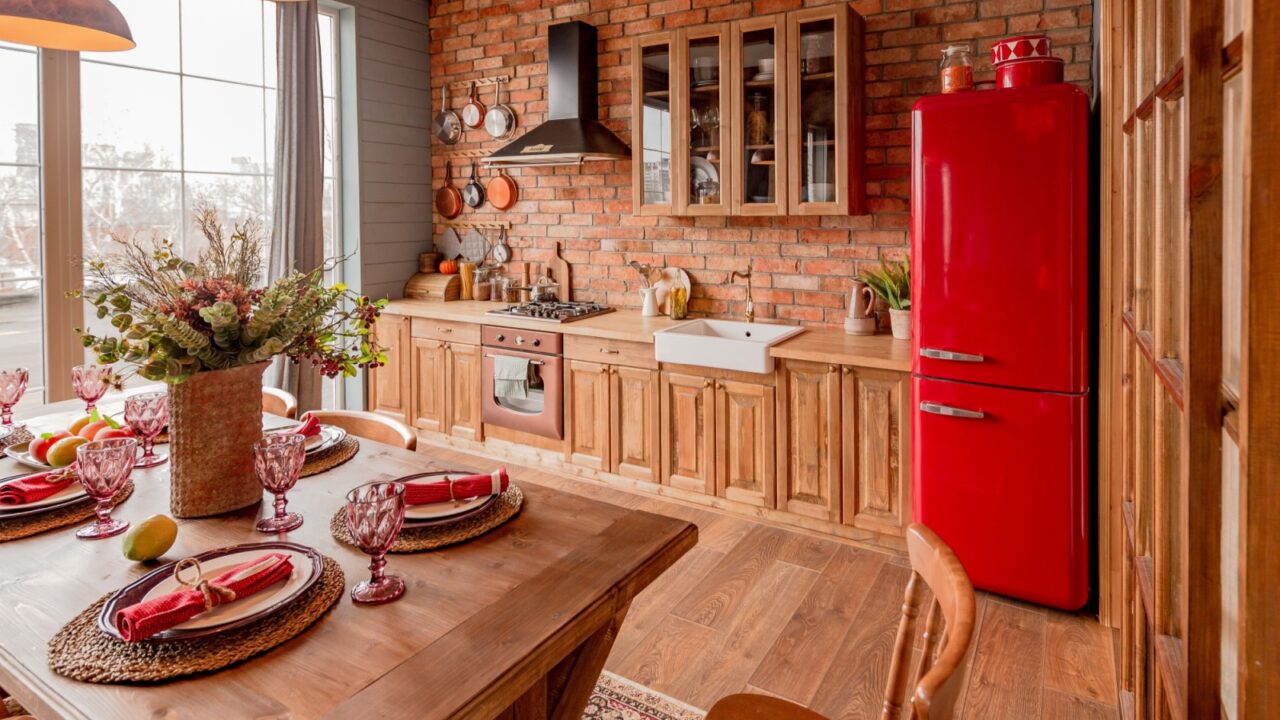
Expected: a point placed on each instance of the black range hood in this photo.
(572, 133)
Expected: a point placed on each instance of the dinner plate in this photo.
(307, 566)
(329, 436)
(703, 169)
(440, 513)
(18, 451)
(69, 495)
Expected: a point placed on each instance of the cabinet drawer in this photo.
(446, 330)
(614, 352)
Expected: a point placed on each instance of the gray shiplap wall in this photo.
(394, 108)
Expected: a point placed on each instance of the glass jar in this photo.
(957, 69)
(758, 120)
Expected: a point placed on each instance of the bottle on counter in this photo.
(957, 69)
(678, 303)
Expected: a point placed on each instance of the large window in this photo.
(21, 336)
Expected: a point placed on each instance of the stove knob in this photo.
(519, 340)
(536, 343)
(501, 338)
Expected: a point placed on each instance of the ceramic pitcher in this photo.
(861, 319)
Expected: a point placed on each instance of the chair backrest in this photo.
(279, 402)
(372, 426)
(948, 628)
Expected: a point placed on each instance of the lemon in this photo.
(63, 452)
(150, 538)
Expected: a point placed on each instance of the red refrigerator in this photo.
(1000, 298)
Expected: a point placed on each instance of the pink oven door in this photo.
(542, 411)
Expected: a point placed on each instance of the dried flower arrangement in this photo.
(175, 317)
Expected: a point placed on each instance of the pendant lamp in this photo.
(81, 25)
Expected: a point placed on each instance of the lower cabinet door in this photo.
(633, 401)
(465, 367)
(810, 414)
(587, 414)
(389, 384)
(877, 450)
(688, 432)
(430, 372)
(745, 453)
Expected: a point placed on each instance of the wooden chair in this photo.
(937, 682)
(279, 402)
(372, 426)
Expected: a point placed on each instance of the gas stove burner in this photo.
(553, 311)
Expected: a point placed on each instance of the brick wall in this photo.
(803, 265)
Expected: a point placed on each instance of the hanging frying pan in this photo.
(502, 191)
(448, 199)
(473, 112)
(446, 124)
(473, 192)
(499, 121)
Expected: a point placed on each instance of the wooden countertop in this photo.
(829, 345)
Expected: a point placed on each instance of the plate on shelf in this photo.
(18, 451)
(69, 495)
(703, 169)
(307, 566)
(445, 512)
(761, 199)
(763, 76)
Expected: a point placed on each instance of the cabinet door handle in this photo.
(607, 351)
(604, 370)
(445, 330)
(831, 368)
(847, 370)
(706, 384)
(443, 345)
(938, 354)
(940, 409)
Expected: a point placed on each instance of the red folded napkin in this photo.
(439, 491)
(141, 621)
(310, 426)
(36, 487)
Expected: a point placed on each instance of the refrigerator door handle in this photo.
(937, 354)
(940, 409)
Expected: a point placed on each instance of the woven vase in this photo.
(214, 419)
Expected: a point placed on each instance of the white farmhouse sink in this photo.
(724, 344)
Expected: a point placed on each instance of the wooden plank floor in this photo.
(767, 609)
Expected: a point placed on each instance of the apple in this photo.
(92, 429)
(39, 448)
(107, 434)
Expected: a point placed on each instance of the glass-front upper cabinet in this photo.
(703, 121)
(759, 125)
(825, 123)
(653, 142)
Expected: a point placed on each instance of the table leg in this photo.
(587, 664)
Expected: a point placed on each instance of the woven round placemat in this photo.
(17, 437)
(82, 651)
(412, 540)
(62, 517)
(331, 458)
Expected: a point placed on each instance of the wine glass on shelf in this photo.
(90, 382)
(147, 414)
(103, 467)
(710, 123)
(375, 514)
(13, 383)
(278, 459)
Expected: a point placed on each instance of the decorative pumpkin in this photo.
(448, 267)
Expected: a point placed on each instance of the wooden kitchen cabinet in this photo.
(430, 395)
(877, 456)
(633, 403)
(720, 134)
(688, 432)
(389, 385)
(745, 442)
(809, 422)
(464, 373)
(587, 414)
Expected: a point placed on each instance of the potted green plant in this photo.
(208, 327)
(891, 282)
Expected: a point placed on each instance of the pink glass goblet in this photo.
(147, 414)
(278, 458)
(375, 514)
(13, 383)
(90, 382)
(103, 467)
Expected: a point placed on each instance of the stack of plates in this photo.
(445, 513)
(307, 567)
(69, 495)
(328, 437)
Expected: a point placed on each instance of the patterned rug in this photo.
(617, 698)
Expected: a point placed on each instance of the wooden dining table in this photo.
(515, 623)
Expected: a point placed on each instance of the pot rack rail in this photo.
(477, 224)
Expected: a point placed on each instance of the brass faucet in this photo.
(751, 306)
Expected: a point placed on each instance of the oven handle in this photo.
(531, 362)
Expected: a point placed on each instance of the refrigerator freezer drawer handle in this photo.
(937, 354)
(939, 409)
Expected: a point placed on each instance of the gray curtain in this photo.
(297, 235)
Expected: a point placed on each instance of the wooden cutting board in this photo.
(560, 271)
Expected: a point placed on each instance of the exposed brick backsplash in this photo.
(802, 264)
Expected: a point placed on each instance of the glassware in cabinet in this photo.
(759, 125)
(653, 148)
(702, 120)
